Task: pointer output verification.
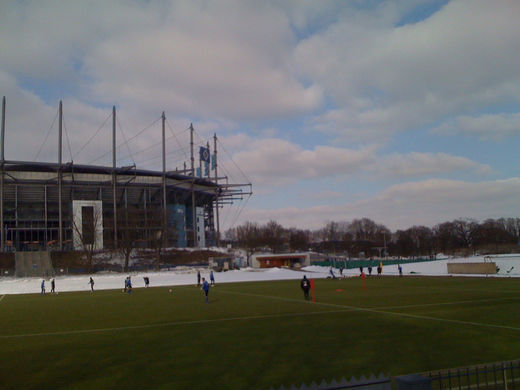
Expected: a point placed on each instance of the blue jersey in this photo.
(205, 286)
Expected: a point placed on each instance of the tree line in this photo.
(365, 237)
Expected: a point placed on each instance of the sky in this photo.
(406, 112)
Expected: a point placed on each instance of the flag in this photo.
(204, 154)
(197, 172)
(206, 169)
(214, 164)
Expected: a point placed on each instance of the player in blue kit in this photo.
(205, 288)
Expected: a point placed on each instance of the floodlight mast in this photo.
(217, 241)
(2, 157)
(164, 238)
(114, 177)
(193, 211)
(60, 178)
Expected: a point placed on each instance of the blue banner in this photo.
(204, 154)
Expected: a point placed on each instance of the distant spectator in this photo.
(146, 281)
(43, 286)
(400, 270)
(331, 271)
(379, 270)
(91, 282)
(198, 278)
(212, 278)
(369, 270)
(53, 285)
(305, 285)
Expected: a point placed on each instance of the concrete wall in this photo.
(472, 268)
(33, 264)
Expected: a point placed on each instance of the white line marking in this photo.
(165, 324)
(374, 308)
(342, 309)
(379, 311)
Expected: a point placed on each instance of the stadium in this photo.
(64, 206)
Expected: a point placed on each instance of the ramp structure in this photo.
(36, 263)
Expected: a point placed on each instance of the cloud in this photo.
(385, 78)
(403, 205)
(278, 161)
(217, 64)
(198, 59)
(425, 164)
(488, 126)
(322, 195)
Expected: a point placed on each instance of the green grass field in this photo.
(255, 335)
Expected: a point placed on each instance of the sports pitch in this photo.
(255, 335)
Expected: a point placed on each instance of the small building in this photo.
(223, 263)
(287, 260)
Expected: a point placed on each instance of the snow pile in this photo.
(509, 266)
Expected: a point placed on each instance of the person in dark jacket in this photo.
(306, 286)
(53, 286)
(91, 282)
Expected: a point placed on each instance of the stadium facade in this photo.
(65, 206)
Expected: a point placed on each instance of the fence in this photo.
(492, 376)
(381, 382)
(120, 268)
(504, 375)
(353, 264)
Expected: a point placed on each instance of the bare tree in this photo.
(273, 236)
(131, 223)
(298, 239)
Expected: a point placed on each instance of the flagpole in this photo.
(216, 182)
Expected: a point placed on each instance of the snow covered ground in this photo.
(509, 267)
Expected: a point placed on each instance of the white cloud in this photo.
(48, 40)
(205, 61)
(425, 164)
(225, 60)
(277, 161)
(322, 195)
(403, 205)
(488, 126)
(348, 69)
(385, 79)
